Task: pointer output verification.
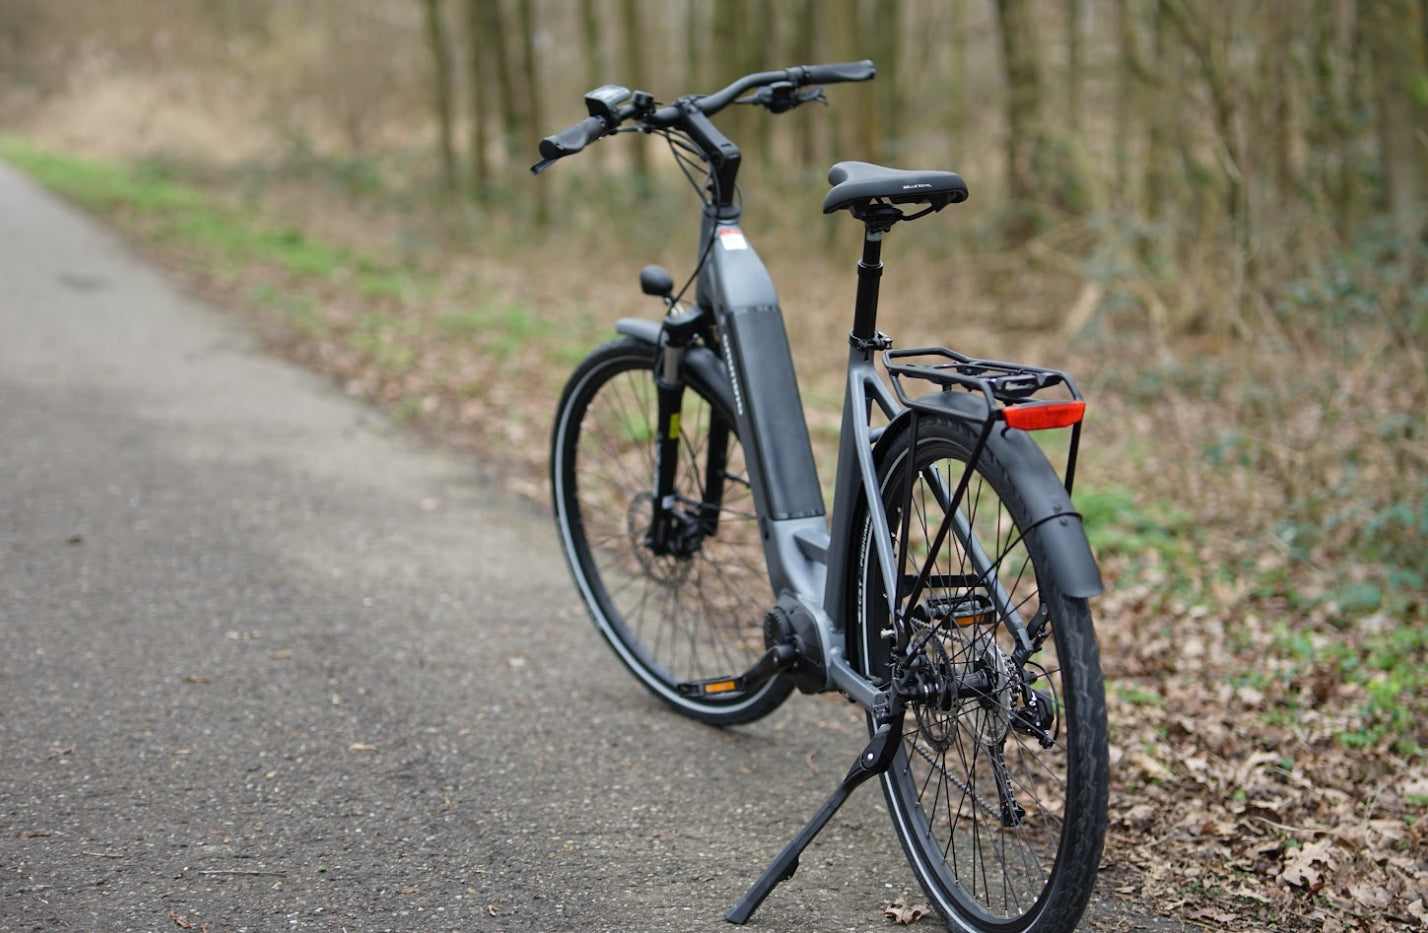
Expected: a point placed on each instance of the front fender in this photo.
(701, 366)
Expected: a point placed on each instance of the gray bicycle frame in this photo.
(806, 560)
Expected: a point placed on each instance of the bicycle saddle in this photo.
(860, 183)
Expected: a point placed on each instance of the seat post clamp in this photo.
(879, 341)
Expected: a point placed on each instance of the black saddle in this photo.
(857, 185)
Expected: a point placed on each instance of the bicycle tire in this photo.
(984, 865)
(670, 620)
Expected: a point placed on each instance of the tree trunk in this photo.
(695, 26)
(492, 41)
(1401, 104)
(595, 67)
(1159, 177)
(481, 79)
(1126, 113)
(634, 78)
(535, 112)
(1278, 108)
(1074, 65)
(804, 43)
(441, 62)
(887, 30)
(956, 95)
(1023, 95)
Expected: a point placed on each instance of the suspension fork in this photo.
(670, 532)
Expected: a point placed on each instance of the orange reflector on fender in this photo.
(1043, 416)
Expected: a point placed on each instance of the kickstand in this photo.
(873, 760)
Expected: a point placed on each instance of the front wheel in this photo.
(673, 614)
(998, 793)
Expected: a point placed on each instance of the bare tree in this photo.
(635, 51)
(1022, 107)
(481, 77)
(534, 111)
(1401, 104)
(442, 96)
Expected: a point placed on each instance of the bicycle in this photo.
(948, 597)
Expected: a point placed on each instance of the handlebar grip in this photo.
(834, 73)
(572, 139)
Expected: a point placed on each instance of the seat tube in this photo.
(854, 443)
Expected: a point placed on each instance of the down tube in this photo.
(769, 407)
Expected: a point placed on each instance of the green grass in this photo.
(146, 199)
(503, 328)
(1138, 696)
(1117, 523)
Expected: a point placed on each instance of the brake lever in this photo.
(782, 97)
(761, 97)
(812, 94)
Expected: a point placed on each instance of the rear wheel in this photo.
(672, 615)
(998, 793)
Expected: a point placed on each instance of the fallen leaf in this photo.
(1152, 769)
(904, 914)
(1305, 866)
(1371, 896)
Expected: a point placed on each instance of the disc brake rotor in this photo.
(668, 569)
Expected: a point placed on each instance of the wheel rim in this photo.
(979, 800)
(672, 619)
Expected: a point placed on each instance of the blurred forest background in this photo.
(1215, 212)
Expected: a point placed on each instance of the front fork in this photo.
(675, 531)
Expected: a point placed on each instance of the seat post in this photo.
(877, 221)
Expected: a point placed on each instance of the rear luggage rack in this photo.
(985, 392)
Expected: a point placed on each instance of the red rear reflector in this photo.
(1043, 416)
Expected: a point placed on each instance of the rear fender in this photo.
(1055, 522)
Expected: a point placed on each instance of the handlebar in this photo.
(834, 74)
(575, 138)
(799, 75)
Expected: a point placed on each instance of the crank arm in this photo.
(775, 661)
